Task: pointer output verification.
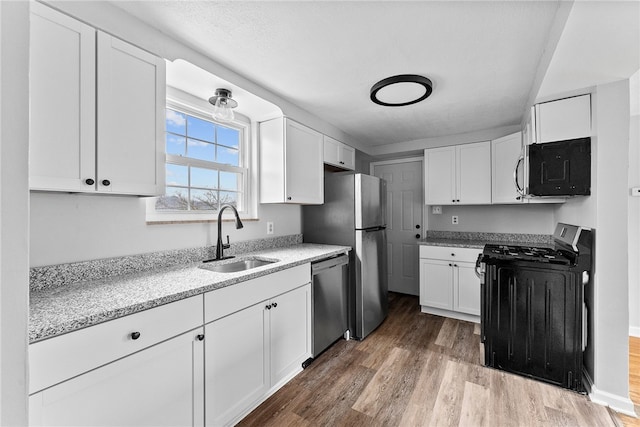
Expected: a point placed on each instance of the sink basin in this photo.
(232, 266)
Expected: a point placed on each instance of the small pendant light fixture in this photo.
(223, 105)
(401, 90)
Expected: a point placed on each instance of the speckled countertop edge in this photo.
(477, 240)
(68, 308)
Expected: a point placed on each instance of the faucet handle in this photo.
(227, 245)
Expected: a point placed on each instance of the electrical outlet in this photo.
(269, 227)
(436, 210)
(454, 219)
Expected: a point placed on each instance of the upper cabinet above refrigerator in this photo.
(558, 120)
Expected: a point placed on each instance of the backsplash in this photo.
(53, 276)
(515, 238)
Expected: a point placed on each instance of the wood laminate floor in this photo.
(419, 370)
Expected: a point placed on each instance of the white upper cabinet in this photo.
(338, 154)
(131, 109)
(566, 118)
(62, 102)
(505, 153)
(291, 169)
(78, 74)
(459, 174)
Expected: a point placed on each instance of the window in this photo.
(207, 166)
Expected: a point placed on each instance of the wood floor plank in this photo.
(446, 411)
(473, 410)
(420, 407)
(447, 334)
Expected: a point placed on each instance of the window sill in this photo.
(196, 221)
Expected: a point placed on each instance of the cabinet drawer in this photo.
(222, 302)
(60, 358)
(450, 253)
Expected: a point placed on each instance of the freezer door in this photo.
(371, 302)
(370, 202)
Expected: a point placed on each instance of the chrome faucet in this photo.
(220, 247)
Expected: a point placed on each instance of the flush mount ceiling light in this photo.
(400, 90)
(222, 105)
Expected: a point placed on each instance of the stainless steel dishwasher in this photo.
(329, 290)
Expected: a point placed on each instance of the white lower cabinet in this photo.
(177, 364)
(448, 283)
(253, 352)
(159, 386)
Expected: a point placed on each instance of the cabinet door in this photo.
(331, 149)
(440, 176)
(466, 297)
(236, 372)
(347, 157)
(304, 182)
(62, 102)
(159, 386)
(473, 165)
(505, 153)
(290, 336)
(436, 283)
(567, 118)
(131, 105)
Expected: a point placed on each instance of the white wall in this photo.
(14, 211)
(634, 206)
(74, 227)
(526, 218)
(606, 211)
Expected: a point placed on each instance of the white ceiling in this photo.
(324, 56)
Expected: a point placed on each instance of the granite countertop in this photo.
(477, 240)
(67, 308)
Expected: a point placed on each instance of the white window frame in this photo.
(199, 108)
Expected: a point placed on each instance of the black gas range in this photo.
(533, 307)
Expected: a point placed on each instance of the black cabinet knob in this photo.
(106, 182)
(417, 226)
(450, 265)
(200, 337)
(418, 236)
(135, 335)
(289, 198)
(274, 305)
(454, 200)
(453, 254)
(458, 200)
(89, 181)
(268, 306)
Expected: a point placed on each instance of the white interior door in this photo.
(404, 221)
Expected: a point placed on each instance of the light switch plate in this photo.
(635, 191)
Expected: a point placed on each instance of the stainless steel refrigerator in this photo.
(354, 214)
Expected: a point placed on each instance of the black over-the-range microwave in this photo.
(553, 169)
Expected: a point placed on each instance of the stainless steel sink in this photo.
(232, 266)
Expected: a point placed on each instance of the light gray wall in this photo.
(526, 218)
(634, 227)
(607, 212)
(75, 227)
(14, 211)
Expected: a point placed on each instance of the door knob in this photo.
(417, 226)
(417, 236)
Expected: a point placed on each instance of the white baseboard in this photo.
(620, 404)
(634, 331)
(448, 313)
